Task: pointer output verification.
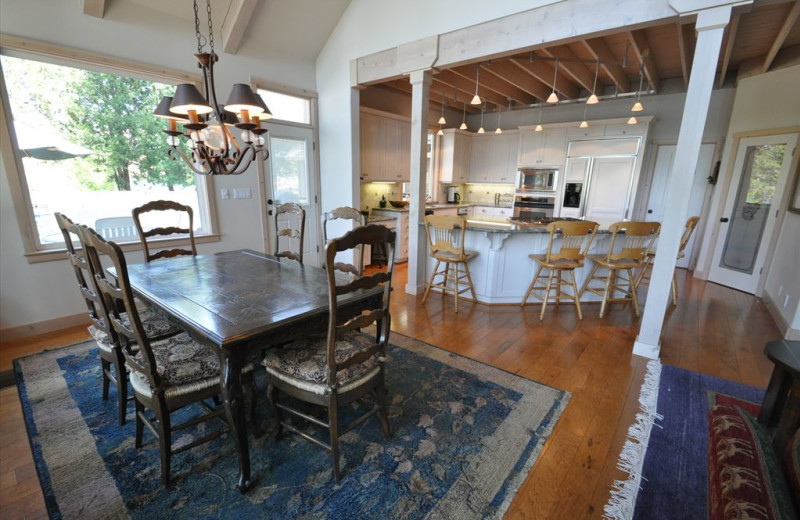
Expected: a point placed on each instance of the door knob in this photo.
(649, 210)
(269, 201)
(723, 219)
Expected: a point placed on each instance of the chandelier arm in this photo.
(172, 151)
(229, 135)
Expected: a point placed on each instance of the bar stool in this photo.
(446, 236)
(637, 241)
(576, 238)
(688, 230)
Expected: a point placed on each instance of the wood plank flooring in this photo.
(714, 330)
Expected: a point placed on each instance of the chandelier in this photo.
(207, 124)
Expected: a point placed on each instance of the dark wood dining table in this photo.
(239, 303)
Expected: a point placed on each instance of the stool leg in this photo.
(469, 279)
(674, 289)
(588, 279)
(546, 294)
(430, 282)
(456, 288)
(530, 287)
(575, 294)
(632, 289)
(609, 288)
(558, 289)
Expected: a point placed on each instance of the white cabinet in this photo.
(544, 148)
(493, 158)
(607, 199)
(492, 211)
(445, 211)
(385, 148)
(456, 147)
(479, 158)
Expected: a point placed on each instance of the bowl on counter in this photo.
(398, 203)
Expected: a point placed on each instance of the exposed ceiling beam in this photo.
(436, 93)
(788, 23)
(492, 80)
(515, 76)
(544, 73)
(239, 14)
(727, 47)
(641, 47)
(598, 48)
(685, 49)
(571, 65)
(96, 8)
(451, 80)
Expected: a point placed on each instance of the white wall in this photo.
(32, 293)
(764, 102)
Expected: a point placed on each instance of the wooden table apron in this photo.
(240, 302)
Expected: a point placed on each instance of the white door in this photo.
(656, 211)
(609, 189)
(289, 176)
(760, 177)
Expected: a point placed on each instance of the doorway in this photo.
(289, 176)
(752, 206)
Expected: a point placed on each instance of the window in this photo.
(90, 148)
(285, 107)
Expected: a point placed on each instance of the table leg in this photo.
(775, 398)
(233, 398)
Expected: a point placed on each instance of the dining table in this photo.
(240, 303)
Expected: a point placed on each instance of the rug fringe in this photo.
(623, 492)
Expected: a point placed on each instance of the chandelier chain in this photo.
(200, 37)
(210, 29)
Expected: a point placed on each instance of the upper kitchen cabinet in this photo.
(546, 148)
(385, 148)
(493, 158)
(456, 147)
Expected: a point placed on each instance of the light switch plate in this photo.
(242, 193)
(224, 193)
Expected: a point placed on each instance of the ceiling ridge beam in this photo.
(498, 84)
(234, 26)
(597, 47)
(512, 73)
(788, 23)
(452, 80)
(642, 49)
(544, 73)
(572, 65)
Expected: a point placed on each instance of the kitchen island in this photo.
(502, 270)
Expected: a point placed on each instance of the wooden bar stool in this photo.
(576, 237)
(637, 241)
(446, 236)
(691, 225)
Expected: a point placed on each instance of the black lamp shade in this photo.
(266, 114)
(187, 98)
(243, 98)
(162, 110)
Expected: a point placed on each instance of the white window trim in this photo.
(12, 164)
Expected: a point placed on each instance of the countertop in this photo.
(444, 205)
(504, 225)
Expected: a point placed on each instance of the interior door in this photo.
(656, 210)
(760, 177)
(289, 176)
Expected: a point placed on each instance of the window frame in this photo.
(26, 48)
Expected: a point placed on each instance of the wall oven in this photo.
(536, 179)
(530, 207)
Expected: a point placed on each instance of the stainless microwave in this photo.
(536, 179)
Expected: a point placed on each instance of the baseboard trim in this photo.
(788, 332)
(43, 327)
(646, 350)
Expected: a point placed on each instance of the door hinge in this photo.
(313, 146)
(317, 249)
(315, 199)
(760, 271)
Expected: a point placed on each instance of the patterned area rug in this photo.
(465, 436)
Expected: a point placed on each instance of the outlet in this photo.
(242, 193)
(224, 193)
(786, 301)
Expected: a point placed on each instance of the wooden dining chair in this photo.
(628, 248)
(575, 238)
(165, 375)
(182, 211)
(354, 215)
(446, 237)
(294, 217)
(688, 230)
(111, 358)
(345, 365)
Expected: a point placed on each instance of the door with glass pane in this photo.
(289, 176)
(760, 178)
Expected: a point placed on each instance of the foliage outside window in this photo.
(91, 147)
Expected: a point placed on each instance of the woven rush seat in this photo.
(303, 363)
(155, 326)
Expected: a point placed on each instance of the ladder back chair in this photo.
(446, 237)
(344, 365)
(575, 239)
(183, 211)
(636, 240)
(345, 213)
(165, 375)
(291, 211)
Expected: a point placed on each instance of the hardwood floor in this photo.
(714, 330)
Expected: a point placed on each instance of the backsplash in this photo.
(485, 193)
(371, 193)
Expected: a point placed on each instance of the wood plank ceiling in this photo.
(757, 39)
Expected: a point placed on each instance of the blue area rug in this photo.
(465, 436)
(674, 477)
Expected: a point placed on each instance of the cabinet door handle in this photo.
(723, 219)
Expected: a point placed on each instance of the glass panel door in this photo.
(760, 176)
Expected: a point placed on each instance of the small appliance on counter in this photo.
(453, 197)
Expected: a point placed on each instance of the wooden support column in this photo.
(417, 240)
(710, 28)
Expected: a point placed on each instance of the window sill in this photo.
(52, 255)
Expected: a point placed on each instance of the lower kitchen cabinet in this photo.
(400, 225)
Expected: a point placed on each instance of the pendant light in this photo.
(638, 107)
(481, 130)
(593, 100)
(584, 124)
(464, 119)
(477, 99)
(539, 124)
(442, 120)
(553, 97)
(498, 130)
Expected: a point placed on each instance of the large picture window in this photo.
(89, 147)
